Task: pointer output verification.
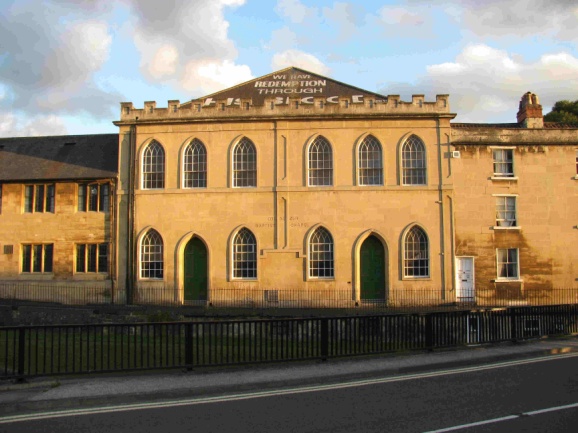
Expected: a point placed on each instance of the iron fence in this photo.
(72, 349)
(396, 299)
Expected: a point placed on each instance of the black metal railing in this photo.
(396, 299)
(57, 350)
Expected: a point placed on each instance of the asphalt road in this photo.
(538, 394)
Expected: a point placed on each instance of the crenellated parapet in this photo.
(274, 107)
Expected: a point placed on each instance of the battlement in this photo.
(354, 105)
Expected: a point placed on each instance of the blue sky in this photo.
(65, 65)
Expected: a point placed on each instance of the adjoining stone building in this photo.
(57, 217)
(516, 209)
(296, 189)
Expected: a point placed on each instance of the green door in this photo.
(195, 271)
(372, 269)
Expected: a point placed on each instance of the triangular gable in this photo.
(290, 83)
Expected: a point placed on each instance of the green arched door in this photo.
(195, 263)
(372, 269)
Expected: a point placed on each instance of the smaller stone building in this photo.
(57, 221)
(516, 209)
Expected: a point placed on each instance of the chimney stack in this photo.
(530, 112)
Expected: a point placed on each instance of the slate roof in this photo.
(63, 157)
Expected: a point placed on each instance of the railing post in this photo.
(21, 354)
(429, 334)
(189, 346)
(513, 327)
(324, 339)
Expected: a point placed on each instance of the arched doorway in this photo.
(372, 269)
(195, 272)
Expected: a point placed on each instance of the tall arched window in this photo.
(413, 159)
(321, 254)
(245, 164)
(151, 255)
(320, 163)
(153, 166)
(245, 255)
(195, 165)
(370, 162)
(416, 254)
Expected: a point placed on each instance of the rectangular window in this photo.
(93, 197)
(508, 264)
(92, 258)
(37, 258)
(503, 162)
(39, 198)
(506, 211)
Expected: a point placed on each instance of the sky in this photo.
(66, 65)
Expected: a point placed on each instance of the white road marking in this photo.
(505, 418)
(271, 393)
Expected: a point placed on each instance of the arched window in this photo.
(413, 159)
(153, 166)
(416, 254)
(151, 255)
(320, 163)
(245, 164)
(321, 254)
(245, 255)
(370, 162)
(195, 165)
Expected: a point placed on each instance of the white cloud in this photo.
(400, 16)
(405, 22)
(16, 126)
(346, 17)
(512, 18)
(187, 46)
(296, 11)
(164, 61)
(299, 59)
(88, 44)
(486, 83)
(282, 39)
(49, 51)
(208, 76)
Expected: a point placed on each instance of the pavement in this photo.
(70, 392)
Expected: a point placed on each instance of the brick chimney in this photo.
(530, 112)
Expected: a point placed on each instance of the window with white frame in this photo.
(195, 165)
(244, 255)
(152, 256)
(245, 164)
(370, 162)
(92, 258)
(153, 166)
(508, 264)
(416, 253)
(39, 198)
(413, 161)
(320, 258)
(320, 158)
(503, 162)
(37, 258)
(506, 211)
(93, 197)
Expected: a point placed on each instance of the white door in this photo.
(465, 279)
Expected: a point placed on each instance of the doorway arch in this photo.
(195, 270)
(372, 270)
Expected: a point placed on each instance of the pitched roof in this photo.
(59, 157)
(289, 82)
